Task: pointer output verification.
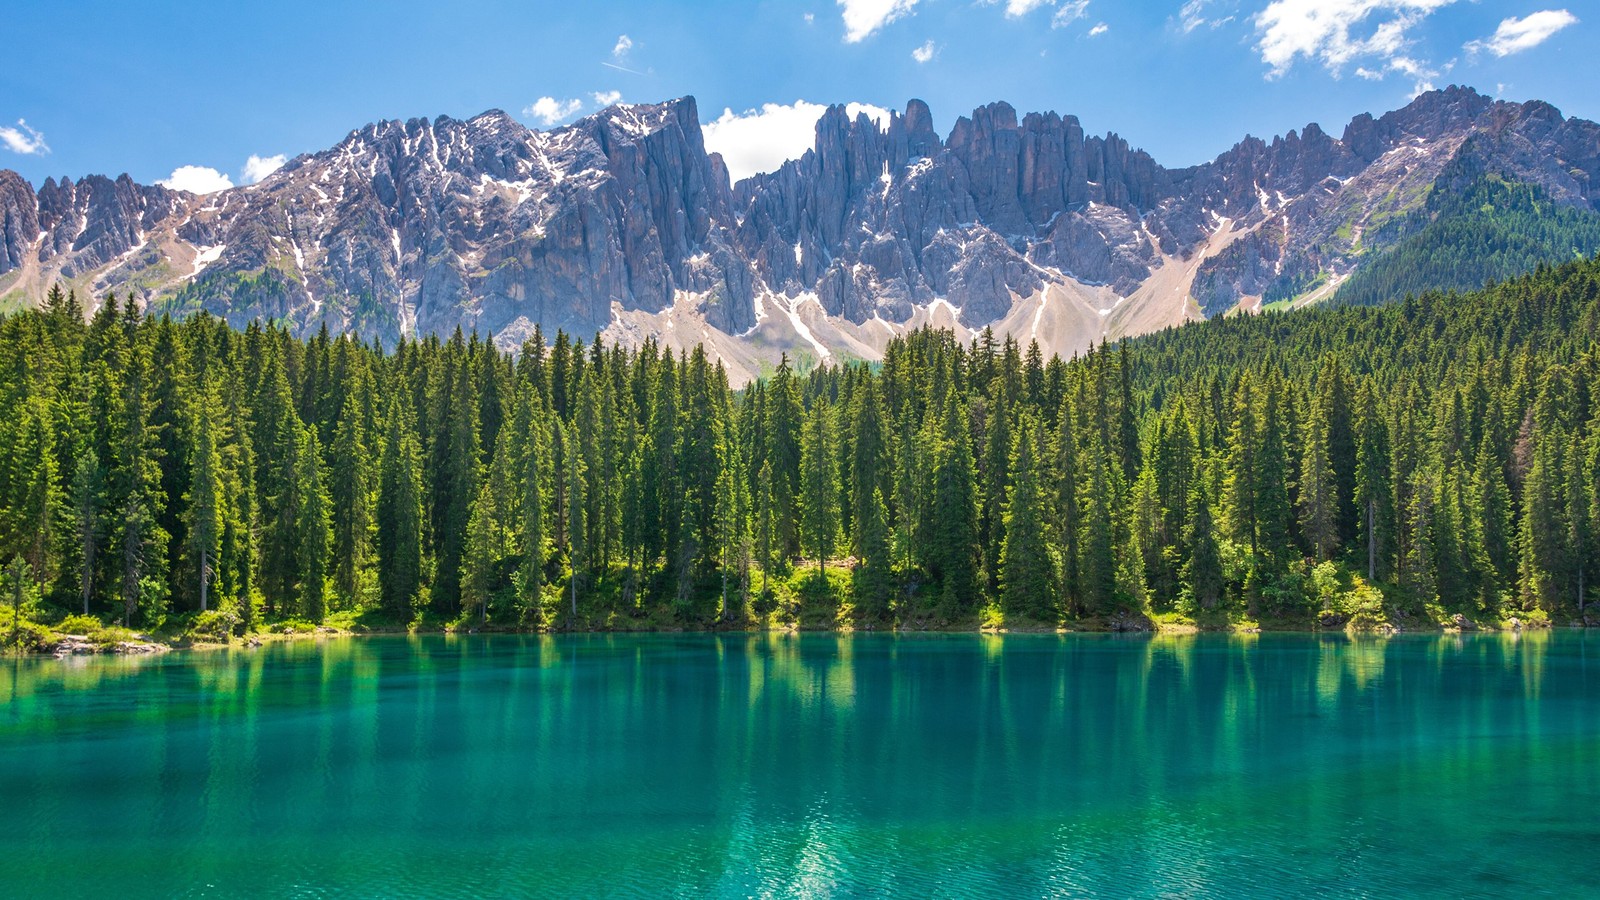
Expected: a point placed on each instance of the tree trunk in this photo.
(16, 607)
(1372, 541)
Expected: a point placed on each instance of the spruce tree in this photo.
(1202, 574)
(204, 513)
(952, 530)
(350, 492)
(399, 515)
(873, 576)
(1319, 507)
(819, 497)
(312, 529)
(1027, 570)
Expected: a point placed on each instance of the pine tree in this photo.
(1274, 509)
(1491, 511)
(33, 503)
(1202, 573)
(204, 513)
(1373, 497)
(532, 452)
(874, 576)
(994, 479)
(399, 515)
(136, 480)
(350, 492)
(88, 495)
(951, 533)
(1097, 565)
(574, 531)
(1243, 467)
(819, 497)
(1028, 578)
(457, 482)
(869, 462)
(785, 415)
(482, 553)
(1068, 518)
(312, 529)
(1319, 506)
(276, 442)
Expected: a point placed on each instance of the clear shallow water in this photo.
(692, 765)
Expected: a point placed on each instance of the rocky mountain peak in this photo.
(622, 221)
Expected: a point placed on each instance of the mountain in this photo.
(623, 223)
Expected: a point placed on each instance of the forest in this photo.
(1481, 228)
(1434, 461)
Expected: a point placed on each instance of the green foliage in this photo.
(1487, 231)
(1439, 456)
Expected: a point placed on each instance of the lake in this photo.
(810, 765)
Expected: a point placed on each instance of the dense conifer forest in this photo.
(1435, 460)
(1486, 230)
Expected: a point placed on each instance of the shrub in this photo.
(215, 624)
(79, 624)
(27, 636)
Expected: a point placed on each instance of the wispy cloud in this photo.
(1516, 35)
(1099, 29)
(760, 140)
(1070, 11)
(1336, 33)
(606, 98)
(196, 180)
(925, 52)
(23, 139)
(624, 44)
(864, 17)
(549, 110)
(1198, 14)
(259, 167)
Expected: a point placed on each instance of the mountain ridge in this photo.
(623, 223)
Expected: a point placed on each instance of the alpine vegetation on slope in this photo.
(623, 223)
(1428, 460)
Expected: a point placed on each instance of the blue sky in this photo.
(147, 88)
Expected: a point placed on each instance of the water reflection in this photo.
(805, 764)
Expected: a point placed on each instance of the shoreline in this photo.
(77, 646)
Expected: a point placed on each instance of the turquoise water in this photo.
(696, 765)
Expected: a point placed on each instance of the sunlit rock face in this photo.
(623, 224)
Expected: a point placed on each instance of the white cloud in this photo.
(196, 180)
(549, 110)
(1018, 8)
(624, 44)
(863, 17)
(1098, 30)
(925, 52)
(1516, 35)
(1070, 11)
(259, 167)
(1194, 14)
(606, 98)
(1368, 74)
(23, 139)
(1335, 32)
(761, 140)
(810, 17)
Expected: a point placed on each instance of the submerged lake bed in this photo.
(809, 764)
